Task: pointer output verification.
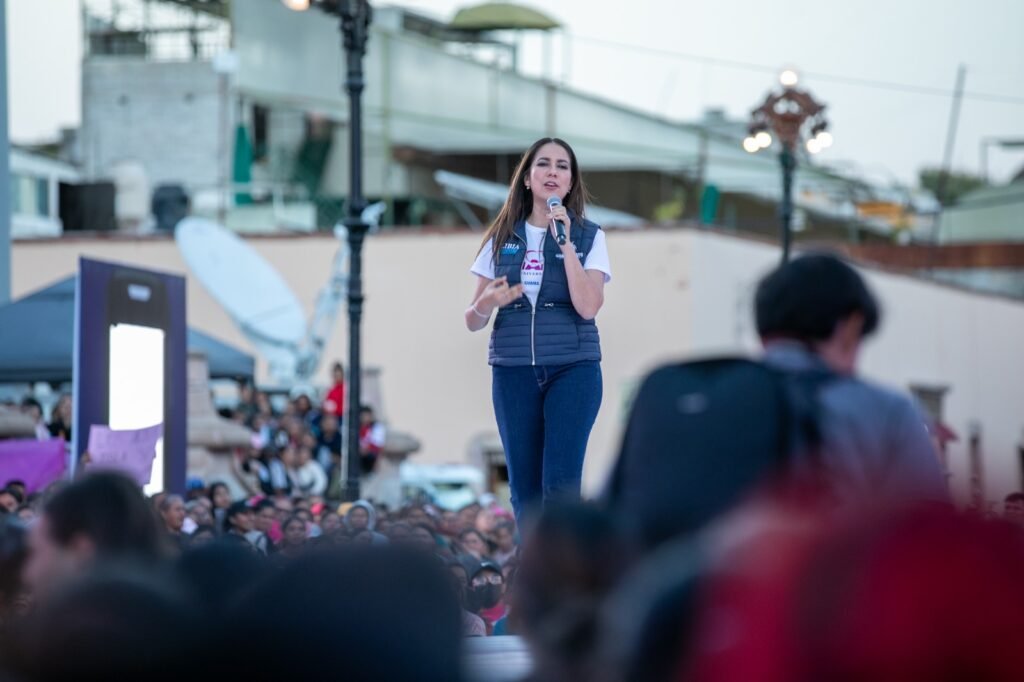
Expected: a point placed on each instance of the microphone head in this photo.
(554, 201)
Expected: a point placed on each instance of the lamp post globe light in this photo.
(355, 18)
(789, 115)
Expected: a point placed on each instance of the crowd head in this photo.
(122, 583)
(820, 301)
(102, 517)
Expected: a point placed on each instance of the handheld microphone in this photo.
(554, 201)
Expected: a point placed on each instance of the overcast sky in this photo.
(887, 132)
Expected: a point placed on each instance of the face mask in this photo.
(484, 597)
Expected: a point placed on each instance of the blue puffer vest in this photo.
(553, 333)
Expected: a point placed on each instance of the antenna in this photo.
(332, 293)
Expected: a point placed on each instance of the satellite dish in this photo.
(258, 299)
(248, 288)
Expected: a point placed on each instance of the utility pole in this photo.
(5, 167)
(954, 118)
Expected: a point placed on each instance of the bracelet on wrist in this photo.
(478, 313)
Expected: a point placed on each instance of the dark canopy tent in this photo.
(37, 336)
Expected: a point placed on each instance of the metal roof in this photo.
(491, 195)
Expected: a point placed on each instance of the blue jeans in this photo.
(545, 415)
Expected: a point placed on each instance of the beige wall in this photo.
(435, 378)
(672, 292)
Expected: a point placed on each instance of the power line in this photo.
(763, 68)
(919, 89)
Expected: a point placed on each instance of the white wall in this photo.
(673, 291)
(972, 344)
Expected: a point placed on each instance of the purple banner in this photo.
(130, 450)
(36, 462)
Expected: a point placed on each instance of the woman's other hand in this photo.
(499, 294)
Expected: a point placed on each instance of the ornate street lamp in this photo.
(790, 115)
(355, 24)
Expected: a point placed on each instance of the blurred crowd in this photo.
(99, 582)
(98, 551)
(297, 450)
(832, 561)
(59, 425)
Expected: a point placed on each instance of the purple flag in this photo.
(37, 462)
(130, 450)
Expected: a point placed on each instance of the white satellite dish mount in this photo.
(258, 299)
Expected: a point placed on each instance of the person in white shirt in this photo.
(306, 474)
(545, 349)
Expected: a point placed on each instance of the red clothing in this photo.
(908, 596)
(371, 438)
(493, 615)
(334, 403)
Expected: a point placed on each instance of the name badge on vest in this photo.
(509, 248)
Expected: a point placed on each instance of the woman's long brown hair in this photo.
(520, 199)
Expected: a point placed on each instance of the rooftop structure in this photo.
(256, 134)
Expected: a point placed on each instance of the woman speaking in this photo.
(545, 351)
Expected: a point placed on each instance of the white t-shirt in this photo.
(533, 265)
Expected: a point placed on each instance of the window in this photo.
(42, 192)
(30, 196)
(930, 399)
(260, 126)
(15, 193)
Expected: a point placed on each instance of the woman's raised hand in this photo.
(499, 294)
(560, 214)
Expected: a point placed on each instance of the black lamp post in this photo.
(355, 24)
(786, 114)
